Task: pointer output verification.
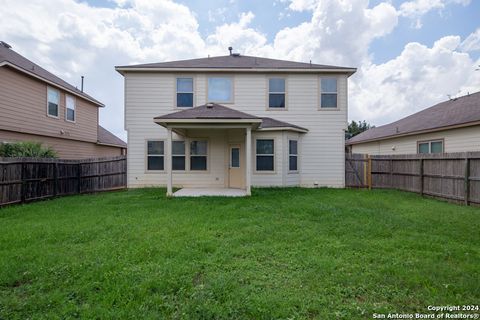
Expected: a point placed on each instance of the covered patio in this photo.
(232, 153)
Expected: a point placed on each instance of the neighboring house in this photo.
(235, 122)
(450, 126)
(36, 105)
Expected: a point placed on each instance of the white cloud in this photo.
(472, 42)
(415, 9)
(419, 77)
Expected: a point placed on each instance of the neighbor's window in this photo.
(434, 146)
(178, 155)
(184, 92)
(198, 155)
(276, 93)
(220, 89)
(53, 102)
(293, 155)
(70, 108)
(155, 152)
(265, 154)
(328, 97)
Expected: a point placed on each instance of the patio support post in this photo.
(248, 156)
(168, 167)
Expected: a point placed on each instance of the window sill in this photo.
(328, 109)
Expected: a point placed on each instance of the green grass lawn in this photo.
(280, 254)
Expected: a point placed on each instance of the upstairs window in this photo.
(434, 146)
(198, 155)
(178, 155)
(184, 92)
(155, 155)
(328, 96)
(265, 155)
(70, 108)
(53, 100)
(220, 89)
(293, 155)
(276, 93)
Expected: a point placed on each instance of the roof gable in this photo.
(455, 112)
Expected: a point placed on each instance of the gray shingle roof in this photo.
(268, 123)
(236, 62)
(459, 111)
(106, 137)
(208, 111)
(218, 111)
(10, 56)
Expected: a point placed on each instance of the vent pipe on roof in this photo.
(230, 49)
(81, 87)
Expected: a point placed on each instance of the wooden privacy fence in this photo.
(29, 179)
(451, 176)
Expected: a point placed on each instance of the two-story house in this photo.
(36, 105)
(234, 122)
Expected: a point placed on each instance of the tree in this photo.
(27, 149)
(355, 128)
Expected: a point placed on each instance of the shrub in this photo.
(27, 149)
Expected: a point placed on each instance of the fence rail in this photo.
(29, 179)
(451, 176)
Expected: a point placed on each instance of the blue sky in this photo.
(410, 54)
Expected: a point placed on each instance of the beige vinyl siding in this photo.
(321, 158)
(66, 149)
(23, 106)
(455, 140)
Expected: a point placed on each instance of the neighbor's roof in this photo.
(458, 112)
(8, 57)
(236, 62)
(216, 111)
(108, 138)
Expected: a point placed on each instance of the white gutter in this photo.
(156, 69)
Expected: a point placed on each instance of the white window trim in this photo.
(193, 91)
(58, 104)
(232, 89)
(430, 145)
(154, 155)
(207, 170)
(285, 93)
(293, 155)
(320, 92)
(265, 154)
(74, 108)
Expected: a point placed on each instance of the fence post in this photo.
(391, 173)
(467, 180)
(79, 177)
(369, 172)
(24, 183)
(421, 176)
(55, 179)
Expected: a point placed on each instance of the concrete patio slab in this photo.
(210, 192)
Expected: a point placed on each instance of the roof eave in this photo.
(123, 69)
(284, 128)
(112, 145)
(6, 63)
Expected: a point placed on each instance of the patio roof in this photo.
(213, 113)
